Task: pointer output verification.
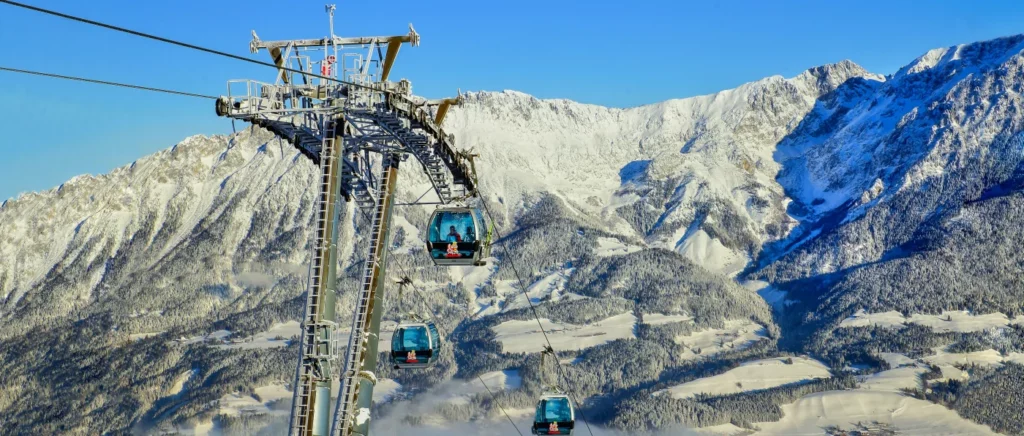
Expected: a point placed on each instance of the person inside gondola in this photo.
(453, 235)
(470, 235)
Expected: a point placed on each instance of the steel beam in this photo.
(412, 37)
(355, 395)
(312, 390)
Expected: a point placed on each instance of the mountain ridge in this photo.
(822, 185)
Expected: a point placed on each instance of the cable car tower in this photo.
(333, 100)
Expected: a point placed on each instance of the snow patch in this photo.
(267, 339)
(219, 335)
(659, 319)
(985, 357)
(711, 254)
(362, 416)
(607, 247)
(752, 376)
(179, 383)
(273, 392)
(237, 404)
(912, 417)
(893, 380)
(776, 298)
(526, 336)
(896, 360)
(737, 335)
(948, 321)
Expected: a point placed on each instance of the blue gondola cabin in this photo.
(415, 345)
(555, 415)
(458, 236)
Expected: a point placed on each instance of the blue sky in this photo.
(621, 53)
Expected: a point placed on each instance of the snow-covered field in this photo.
(455, 392)
(225, 339)
(219, 335)
(720, 430)
(905, 371)
(526, 336)
(550, 288)
(983, 357)
(737, 334)
(235, 404)
(913, 417)
(660, 318)
(752, 376)
(894, 379)
(267, 339)
(876, 399)
(773, 296)
(613, 247)
(955, 321)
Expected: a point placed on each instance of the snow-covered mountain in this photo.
(694, 175)
(173, 232)
(633, 227)
(940, 132)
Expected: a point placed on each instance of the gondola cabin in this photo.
(555, 415)
(415, 345)
(458, 237)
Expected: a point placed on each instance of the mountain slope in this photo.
(209, 240)
(938, 133)
(162, 295)
(170, 233)
(694, 175)
(934, 203)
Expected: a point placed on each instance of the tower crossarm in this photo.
(443, 105)
(412, 38)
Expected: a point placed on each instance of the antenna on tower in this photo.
(330, 11)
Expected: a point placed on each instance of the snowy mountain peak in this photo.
(830, 76)
(976, 55)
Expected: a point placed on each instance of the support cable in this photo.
(533, 308)
(495, 400)
(441, 332)
(405, 273)
(185, 44)
(104, 82)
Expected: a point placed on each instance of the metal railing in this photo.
(247, 97)
(250, 97)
